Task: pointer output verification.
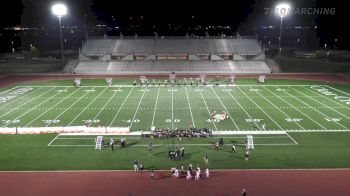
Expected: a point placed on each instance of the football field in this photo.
(295, 124)
(249, 107)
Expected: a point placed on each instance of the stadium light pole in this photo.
(60, 10)
(282, 10)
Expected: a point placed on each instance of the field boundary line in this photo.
(295, 108)
(208, 110)
(242, 108)
(165, 170)
(50, 108)
(318, 131)
(93, 138)
(225, 108)
(49, 144)
(104, 106)
(188, 102)
(130, 85)
(121, 106)
(166, 145)
(278, 109)
(138, 106)
(87, 106)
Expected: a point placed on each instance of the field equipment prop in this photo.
(250, 142)
(99, 144)
(77, 82)
(143, 80)
(109, 82)
(231, 79)
(261, 79)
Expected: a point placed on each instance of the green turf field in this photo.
(284, 107)
(314, 116)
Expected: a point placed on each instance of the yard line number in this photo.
(50, 121)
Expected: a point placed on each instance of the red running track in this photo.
(231, 182)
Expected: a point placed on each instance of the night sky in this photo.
(245, 16)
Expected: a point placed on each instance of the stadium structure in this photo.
(166, 110)
(178, 55)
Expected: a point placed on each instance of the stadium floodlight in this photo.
(60, 10)
(282, 10)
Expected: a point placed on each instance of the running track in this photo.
(256, 182)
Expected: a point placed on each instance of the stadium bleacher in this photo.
(145, 55)
(133, 67)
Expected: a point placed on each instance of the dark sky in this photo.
(240, 14)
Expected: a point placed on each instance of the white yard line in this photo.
(225, 108)
(155, 107)
(38, 105)
(30, 108)
(188, 101)
(19, 98)
(321, 103)
(242, 108)
(279, 126)
(322, 95)
(279, 109)
(26, 102)
(104, 106)
(115, 116)
(138, 106)
(291, 138)
(296, 109)
(314, 109)
(337, 90)
(53, 140)
(76, 101)
(172, 108)
(208, 110)
(50, 108)
(86, 107)
(9, 90)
